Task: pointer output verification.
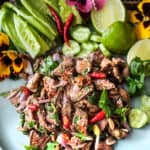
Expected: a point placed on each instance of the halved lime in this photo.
(140, 49)
(112, 11)
(137, 118)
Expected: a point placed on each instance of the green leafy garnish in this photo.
(76, 119)
(4, 94)
(139, 69)
(104, 103)
(31, 124)
(51, 145)
(93, 98)
(82, 137)
(41, 129)
(122, 113)
(48, 65)
(51, 107)
(22, 119)
(26, 147)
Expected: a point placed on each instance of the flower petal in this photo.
(71, 2)
(85, 8)
(98, 4)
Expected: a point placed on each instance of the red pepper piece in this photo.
(32, 107)
(58, 21)
(66, 28)
(98, 75)
(26, 91)
(66, 122)
(99, 116)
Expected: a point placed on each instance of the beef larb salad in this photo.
(82, 64)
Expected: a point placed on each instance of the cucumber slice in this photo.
(104, 50)
(40, 12)
(95, 38)
(80, 34)
(112, 11)
(21, 11)
(73, 50)
(147, 111)
(145, 101)
(87, 48)
(9, 28)
(26, 36)
(137, 118)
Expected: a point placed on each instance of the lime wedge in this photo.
(112, 11)
(140, 49)
(137, 118)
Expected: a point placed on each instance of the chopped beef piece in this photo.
(14, 96)
(75, 142)
(83, 66)
(65, 68)
(118, 62)
(125, 71)
(49, 86)
(42, 121)
(124, 94)
(117, 74)
(66, 106)
(33, 82)
(80, 121)
(96, 58)
(106, 65)
(75, 93)
(103, 124)
(114, 94)
(119, 103)
(37, 140)
(104, 84)
(34, 138)
(86, 105)
(29, 116)
(104, 146)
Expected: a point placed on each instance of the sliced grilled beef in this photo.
(104, 84)
(87, 106)
(80, 121)
(83, 66)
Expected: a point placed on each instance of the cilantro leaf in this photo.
(26, 147)
(51, 145)
(48, 65)
(139, 69)
(122, 113)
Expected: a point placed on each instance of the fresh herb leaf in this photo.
(41, 129)
(4, 94)
(55, 116)
(48, 65)
(139, 69)
(31, 124)
(26, 147)
(51, 107)
(76, 119)
(93, 98)
(22, 119)
(82, 137)
(104, 103)
(51, 145)
(122, 113)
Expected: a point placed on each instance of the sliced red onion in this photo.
(60, 140)
(71, 2)
(85, 8)
(98, 4)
